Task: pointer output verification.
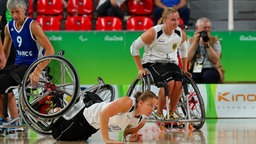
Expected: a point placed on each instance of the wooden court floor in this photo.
(215, 131)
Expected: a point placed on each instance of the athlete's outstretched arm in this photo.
(120, 105)
(131, 135)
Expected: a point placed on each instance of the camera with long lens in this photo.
(204, 36)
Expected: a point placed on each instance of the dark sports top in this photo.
(26, 46)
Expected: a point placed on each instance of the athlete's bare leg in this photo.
(12, 106)
(162, 98)
(1, 106)
(175, 95)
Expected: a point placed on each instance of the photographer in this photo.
(204, 53)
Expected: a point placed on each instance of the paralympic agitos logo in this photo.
(239, 97)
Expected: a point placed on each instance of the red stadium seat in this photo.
(72, 7)
(80, 7)
(182, 25)
(49, 7)
(108, 23)
(141, 7)
(49, 23)
(30, 7)
(78, 23)
(139, 23)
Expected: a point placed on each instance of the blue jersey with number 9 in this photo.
(25, 44)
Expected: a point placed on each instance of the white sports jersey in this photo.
(164, 47)
(116, 123)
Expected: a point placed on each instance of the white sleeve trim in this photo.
(136, 46)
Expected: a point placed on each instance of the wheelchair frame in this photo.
(58, 86)
(189, 110)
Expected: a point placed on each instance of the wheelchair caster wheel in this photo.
(162, 128)
(191, 127)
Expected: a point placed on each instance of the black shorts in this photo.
(11, 75)
(76, 129)
(164, 72)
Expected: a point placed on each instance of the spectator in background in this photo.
(204, 53)
(110, 8)
(180, 5)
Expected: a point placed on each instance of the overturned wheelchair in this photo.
(56, 94)
(190, 110)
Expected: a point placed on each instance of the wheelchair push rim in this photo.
(58, 86)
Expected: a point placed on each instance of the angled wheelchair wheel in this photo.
(141, 85)
(57, 87)
(41, 126)
(106, 93)
(191, 103)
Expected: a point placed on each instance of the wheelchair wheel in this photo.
(106, 93)
(41, 126)
(195, 105)
(141, 85)
(57, 87)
